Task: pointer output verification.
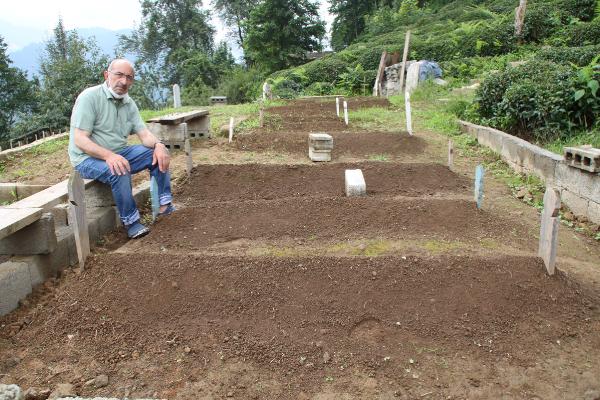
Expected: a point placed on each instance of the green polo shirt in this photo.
(110, 121)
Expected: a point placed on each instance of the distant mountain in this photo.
(28, 57)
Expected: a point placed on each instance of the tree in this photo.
(171, 32)
(235, 13)
(280, 32)
(68, 65)
(16, 93)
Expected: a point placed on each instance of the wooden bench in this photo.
(174, 129)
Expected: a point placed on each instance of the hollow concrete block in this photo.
(594, 212)
(15, 284)
(98, 195)
(37, 238)
(576, 203)
(101, 220)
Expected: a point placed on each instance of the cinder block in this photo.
(66, 252)
(15, 284)
(61, 214)
(8, 192)
(101, 220)
(98, 195)
(584, 157)
(542, 162)
(199, 127)
(578, 181)
(24, 191)
(577, 204)
(319, 155)
(594, 212)
(355, 183)
(37, 238)
(513, 150)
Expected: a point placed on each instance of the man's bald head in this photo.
(119, 76)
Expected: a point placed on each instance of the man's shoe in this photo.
(168, 211)
(137, 230)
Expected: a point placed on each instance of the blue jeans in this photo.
(140, 158)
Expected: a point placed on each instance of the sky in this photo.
(29, 21)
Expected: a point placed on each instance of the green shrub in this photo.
(582, 9)
(583, 33)
(326, 69)
(320, 89)
(241, 85)
(563, 55)
(539, 99)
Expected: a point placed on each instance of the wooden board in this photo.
(48, 198)
(189, 164)
(78, 217)
(174, 119)
(12, 220)
(549, 229)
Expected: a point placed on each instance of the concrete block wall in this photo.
(580, 190)
(36, 262)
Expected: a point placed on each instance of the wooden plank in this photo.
(549, 229)
(154, 198)
(450, 154)
(188, 157)
(479, 172)
(78, 217)
(48, 198)
(404, 59)
(408, 113)
(174, 119)
(12, 220)
(379, 76)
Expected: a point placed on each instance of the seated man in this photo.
(103, 118)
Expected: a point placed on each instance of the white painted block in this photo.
(337, 106)
(176, 96)
(346, 112)
(408, 113)
(230, 129)
(355, 183)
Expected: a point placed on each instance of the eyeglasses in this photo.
(120, 75)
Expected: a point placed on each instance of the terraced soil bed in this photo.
(184, 325)
(256, 181)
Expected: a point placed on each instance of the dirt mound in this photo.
(332, 219)
(358, 144)
(258, 181)
(300, 317)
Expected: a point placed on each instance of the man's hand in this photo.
(161, 156)
(117, 164)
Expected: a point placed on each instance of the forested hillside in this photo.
(553, 91)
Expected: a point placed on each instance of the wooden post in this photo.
(404, 59)
(337, 106)
(188, 156)
(450, 154)
(479, 172)
(379, 77)
(408, 113)
(230, 129)
(549, 229)
(78, 217)
(154, 198)
(261, 117)
(11, 145)
(346, 112)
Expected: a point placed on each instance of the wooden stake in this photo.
(188, 156)
(549, 229)
(450, 154)
(404, 59)
(379, 77)
(261, 117)
(346, 112)
(479, 172)
(408, 112)
(230, 129)
(154, 201)
(78, 217)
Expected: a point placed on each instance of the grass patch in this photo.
(441, 246)
(378, 157)
(377, 118)
(50, 147)
(372, 248)
(592, 138)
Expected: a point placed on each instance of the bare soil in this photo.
(175, 316)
